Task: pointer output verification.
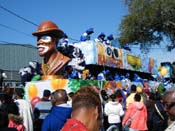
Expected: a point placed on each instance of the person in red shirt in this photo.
(86, 111)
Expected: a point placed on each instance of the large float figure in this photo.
(54, 62)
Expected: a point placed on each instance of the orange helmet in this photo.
(48, 27)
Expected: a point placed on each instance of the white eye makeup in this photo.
(45, 39)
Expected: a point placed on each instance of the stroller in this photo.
(113, 128)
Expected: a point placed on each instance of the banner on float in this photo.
(36, 88)
(139, 63)
(109, 55)
(101, 54)
(131, 61)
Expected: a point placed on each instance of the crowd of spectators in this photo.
(89, 109)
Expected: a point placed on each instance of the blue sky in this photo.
(72, 16)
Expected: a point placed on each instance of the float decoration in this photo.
(95, 63)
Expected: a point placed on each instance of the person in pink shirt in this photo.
(137, 112)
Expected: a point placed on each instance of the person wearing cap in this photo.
(109, 39)
(48, 35)
(86, 35)
(100, 38)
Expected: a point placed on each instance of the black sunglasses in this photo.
(168, 105)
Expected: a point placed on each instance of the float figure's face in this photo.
(45, 45)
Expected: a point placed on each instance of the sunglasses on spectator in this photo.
(45, 39)
(168, 105)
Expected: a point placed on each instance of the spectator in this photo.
(42, 109)
(37, 123)
(137, 112)
(169, 106)
(119, 96)
(46, 95)
(140, 91)
(157, 117)
(130, 98)
(150, 107)
(15, 121)
(5, 99)
(52, 99)
(44, 106)
(25, 109)
(114, 111)
(70, 95)
(4, 122)
(124, 93)
(104, 98)
(86, 111)
(60, 112)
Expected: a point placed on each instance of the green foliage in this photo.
(147, 22)
(75, 85)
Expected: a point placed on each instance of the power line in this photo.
(5, 26)
(11, 12)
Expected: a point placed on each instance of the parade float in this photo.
(88, 62)
(104, 66)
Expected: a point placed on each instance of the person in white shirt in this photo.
(25, 109)
(114, 110)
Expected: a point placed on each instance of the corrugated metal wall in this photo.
(15, 56)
